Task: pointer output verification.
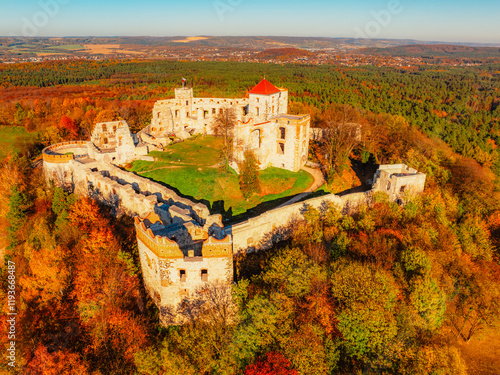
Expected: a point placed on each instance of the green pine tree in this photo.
(16, 215)
(249, 175)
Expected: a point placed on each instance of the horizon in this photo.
(455, 22)
(417, 41)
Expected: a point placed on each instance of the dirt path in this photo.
(318, 181)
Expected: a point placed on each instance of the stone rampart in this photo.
(162, 247)
(133, 194)
(261, 232)
(164, 194)
(64, 152)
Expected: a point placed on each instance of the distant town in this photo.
(273, 50)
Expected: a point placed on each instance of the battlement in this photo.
(149, 231)
(64, 152)
(162, 247)
(213, 248)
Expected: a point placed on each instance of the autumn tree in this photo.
(341, 135)
(249, 175)
(204, 340)
(433, 359)
(366, 298)
(68, 128)
(476, 303)
(45, 362)
(162, 360)
(107, 115)
(223, 126)
(266, 323)
(273, 363)
(105, 290)
(61, 203)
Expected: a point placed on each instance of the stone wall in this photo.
(171, 275)
(398, 181)
(185, 112)
(265, 107)
(57, 158)
(316, 134)
(132, 194)
(282, 142)
(261, 232)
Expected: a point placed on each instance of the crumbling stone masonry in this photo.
(263, 124)
(182, 247)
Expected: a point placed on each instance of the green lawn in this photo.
(11, 137)
(200, 151)
(190, 167)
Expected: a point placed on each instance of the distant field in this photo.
(190, 39)
(102, 48)
(106, 49)
(70, 47)
(191, 168)
(11, 137)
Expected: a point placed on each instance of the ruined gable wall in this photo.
(195, 113)
(266, 145)
(283, 102)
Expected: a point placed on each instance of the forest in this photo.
(457, 105)
(391, 289)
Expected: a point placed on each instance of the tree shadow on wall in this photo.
(365, 171)
(260, 209)
(218, 207)
(252, 261)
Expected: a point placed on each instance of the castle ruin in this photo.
(263, 124)
(182, 246)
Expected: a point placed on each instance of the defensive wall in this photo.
(261, 232)
(182, 247)
(135, 195)
(64, 151)
(398, 181)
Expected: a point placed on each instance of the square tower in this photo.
(267, 101)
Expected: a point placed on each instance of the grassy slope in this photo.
(11, 137)
(190, 167)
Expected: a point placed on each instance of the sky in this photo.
(427, 20)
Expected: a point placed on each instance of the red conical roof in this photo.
(264, 88)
